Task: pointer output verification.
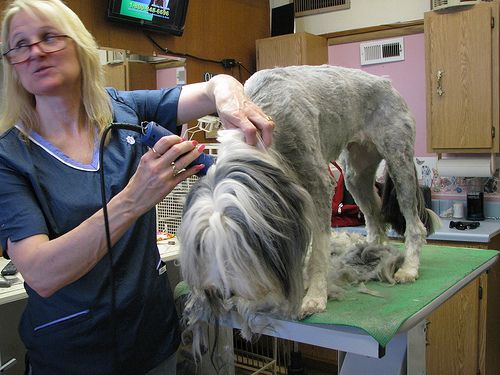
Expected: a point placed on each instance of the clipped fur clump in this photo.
(358, 262)
(354, 261)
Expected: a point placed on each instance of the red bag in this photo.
(345, 212)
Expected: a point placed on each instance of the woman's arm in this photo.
(224, 94)
(48, 265)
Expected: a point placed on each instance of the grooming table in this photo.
(384, 335)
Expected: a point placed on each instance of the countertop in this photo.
(169, 250)
(16, 290)
(487, 229)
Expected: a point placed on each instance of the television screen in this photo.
(160, 15)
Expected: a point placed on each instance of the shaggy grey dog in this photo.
(323, 111)
(247, 225)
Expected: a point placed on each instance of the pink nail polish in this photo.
(201, 148)
(199, 167)
(194, 143)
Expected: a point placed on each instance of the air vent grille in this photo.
(443, 4)
(382, 51)
(308, 7)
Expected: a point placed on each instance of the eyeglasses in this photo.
(48, 44)
(463, 225)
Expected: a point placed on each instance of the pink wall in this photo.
(166, 78)
(407, 76)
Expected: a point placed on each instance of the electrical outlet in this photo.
(207, 76)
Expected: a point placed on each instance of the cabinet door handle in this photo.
(439, 89)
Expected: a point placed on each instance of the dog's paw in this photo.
(312, 306)
(404, 276)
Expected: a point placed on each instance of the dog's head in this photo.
(245, 232)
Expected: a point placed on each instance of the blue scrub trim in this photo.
(61, 320)
(62, 157)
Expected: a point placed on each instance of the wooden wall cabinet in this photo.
(462, 69)
(131, 75)
(463, 335)
(455, 331)
(291, 49)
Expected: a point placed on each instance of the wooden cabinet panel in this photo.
(116, 76)
(131, 75)
(453, 343)
(491, 340)
(291, 49)
(215, 29)
(462, 79)
(141, 76)
(488, 346)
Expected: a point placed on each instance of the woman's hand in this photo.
(70, 256)
(236, 110)
(161, 169)
(224, 94)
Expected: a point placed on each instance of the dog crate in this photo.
(169, 210)
(268, 355)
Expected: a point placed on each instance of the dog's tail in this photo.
(391, 211)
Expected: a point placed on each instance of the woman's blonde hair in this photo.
(18, 104)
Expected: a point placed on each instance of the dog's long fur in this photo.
(248, 223)
(249, 207)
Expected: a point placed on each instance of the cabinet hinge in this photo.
(480, 292)
(493, 132)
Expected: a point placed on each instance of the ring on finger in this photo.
(269, 118)
(176, 171)
(156, 152)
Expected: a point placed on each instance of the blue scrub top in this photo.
(44, 191)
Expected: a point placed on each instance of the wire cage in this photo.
(169, 210)
(267, 355)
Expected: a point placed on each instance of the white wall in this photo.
(278, 3)
(363, 13)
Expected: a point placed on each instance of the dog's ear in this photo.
(379, 187)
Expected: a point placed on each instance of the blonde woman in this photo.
(54, 109)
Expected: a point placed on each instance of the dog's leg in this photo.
(360, 162)
(316, 298)
(401, 168)
(415, 234)
(316, 181)
(392, 131)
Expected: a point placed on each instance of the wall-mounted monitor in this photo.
(166, 16)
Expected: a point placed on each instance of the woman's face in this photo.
(44, 74)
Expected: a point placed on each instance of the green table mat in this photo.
(441, 268)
